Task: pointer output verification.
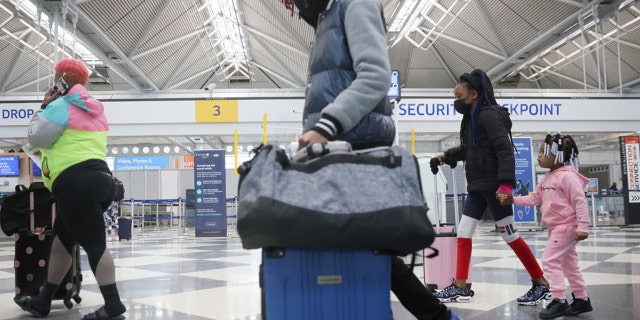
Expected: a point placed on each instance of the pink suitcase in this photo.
(440, 271)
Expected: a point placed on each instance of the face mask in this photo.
(311, 9)
(461, 107)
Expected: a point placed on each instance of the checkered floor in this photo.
(163, 276)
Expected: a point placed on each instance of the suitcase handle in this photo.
(32, 214)
(434, 252)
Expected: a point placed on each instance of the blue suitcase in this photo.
(315, 284)
(124, 228)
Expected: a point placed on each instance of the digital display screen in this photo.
(9, 166)
(36, 170)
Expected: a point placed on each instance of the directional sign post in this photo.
(630, 160)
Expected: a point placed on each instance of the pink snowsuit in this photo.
(564, 212)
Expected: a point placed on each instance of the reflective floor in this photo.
(163, 276)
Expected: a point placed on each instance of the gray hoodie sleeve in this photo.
(367, 39)
(42, 132)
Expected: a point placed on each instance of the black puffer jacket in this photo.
(489, 160)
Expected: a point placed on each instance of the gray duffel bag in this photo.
(344, 199)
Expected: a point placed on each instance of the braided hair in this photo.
(478, 81)
(563, 147)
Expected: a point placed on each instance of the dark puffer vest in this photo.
(330, 72)
(487, 150)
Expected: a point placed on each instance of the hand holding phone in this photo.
(61, 86)
(59, 89)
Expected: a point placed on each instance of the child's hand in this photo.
(581, 235)
(506, 199)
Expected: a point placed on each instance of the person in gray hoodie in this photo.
(346, 99)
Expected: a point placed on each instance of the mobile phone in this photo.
(61, 86)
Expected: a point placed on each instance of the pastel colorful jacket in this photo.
(70, 130)
(561, 193)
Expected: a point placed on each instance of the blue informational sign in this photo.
(210, 193)
(525, 182)
(9, 166)
(36, 170)
(394, 90)
(141, 163)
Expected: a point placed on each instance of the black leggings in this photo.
(80, 203)
(413, 295)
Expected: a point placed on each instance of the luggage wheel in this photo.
(68, 303)
(77, 298)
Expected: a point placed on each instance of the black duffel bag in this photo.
(14, 208)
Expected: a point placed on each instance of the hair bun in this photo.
(473, 81)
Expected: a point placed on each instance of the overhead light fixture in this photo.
(225, 28)
(65, 38)
(403, 14)
(426, 19)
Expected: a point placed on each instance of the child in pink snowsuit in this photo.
(566, 215)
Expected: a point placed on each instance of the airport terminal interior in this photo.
(557, 65)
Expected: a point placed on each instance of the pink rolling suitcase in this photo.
(439, 271)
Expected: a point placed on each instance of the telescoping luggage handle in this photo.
(436, 199)
(32, 215)
(436, 202)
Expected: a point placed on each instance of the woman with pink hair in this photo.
(71, 134)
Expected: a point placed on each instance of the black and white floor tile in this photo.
(166, 275)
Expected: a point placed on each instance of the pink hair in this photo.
(74, 68)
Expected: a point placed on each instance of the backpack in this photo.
(504, 114)
(16, 207)
(118, 190)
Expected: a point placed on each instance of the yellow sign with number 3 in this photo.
(216, 111)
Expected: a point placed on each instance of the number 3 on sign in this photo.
(216, 111)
